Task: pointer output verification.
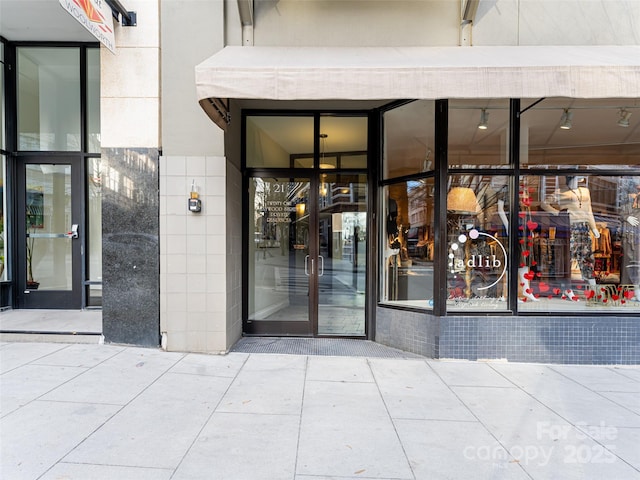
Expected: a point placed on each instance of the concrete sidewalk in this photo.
(112, 412)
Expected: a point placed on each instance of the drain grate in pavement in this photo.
(339, 347)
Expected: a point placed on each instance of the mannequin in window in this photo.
(576, 201)
(630, 271)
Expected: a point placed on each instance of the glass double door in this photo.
(307, 255)
(49, 248)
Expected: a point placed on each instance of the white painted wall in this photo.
(557, 22)
(437, 22)
(356, 22)
(191, 31)
(130, 82)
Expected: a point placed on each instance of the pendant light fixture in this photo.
(566, 119)
(484, 119)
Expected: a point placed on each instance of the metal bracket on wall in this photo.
(129, 19)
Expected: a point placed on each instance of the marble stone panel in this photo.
(130, 246)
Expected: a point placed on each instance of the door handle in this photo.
(74, 231)
(320, 265)
(306, 265)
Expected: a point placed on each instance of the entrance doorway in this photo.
(307, 254)
(49, 239)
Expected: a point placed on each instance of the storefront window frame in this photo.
(513, 173)
(7, 102)
(480, 271)
(11, 136)
(400, 244)
(431, 173)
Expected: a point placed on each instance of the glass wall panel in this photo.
(408, 139)
(343, 142)
(2, 102)
(342, 233)
(408, 240)
(3, 176)
(48, 245)
(478, 133)
(279, 142)
(278, 250)
(93, 100)
(48, 99)
(94, 230)
(3, 221)
(579, 243)
(588, 134)
(477, 233)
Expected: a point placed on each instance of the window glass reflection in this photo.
(564, 132)
(2, 101)
(343, 142)
(477, 235)
(407, 273)
(478, 133)
(3, 226)
(579, 243)
(93, 100)
(409, 137)
(48, 99)
(94, 216)
(279, 142)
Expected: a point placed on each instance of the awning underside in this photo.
(388, 73)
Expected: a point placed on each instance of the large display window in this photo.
(580, 243)
(542, 207)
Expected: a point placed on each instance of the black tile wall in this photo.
(414, 332)
(546, 339)
(575, 340)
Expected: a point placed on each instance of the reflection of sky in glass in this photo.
(412, 184)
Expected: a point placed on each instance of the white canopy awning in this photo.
(389, 73)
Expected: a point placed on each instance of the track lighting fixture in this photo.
(565, 121)
(625, 115)
(484, 119)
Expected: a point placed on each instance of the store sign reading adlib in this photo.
(95, 16)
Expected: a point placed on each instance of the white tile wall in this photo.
(196, 312)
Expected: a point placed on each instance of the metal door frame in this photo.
(52, 299)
